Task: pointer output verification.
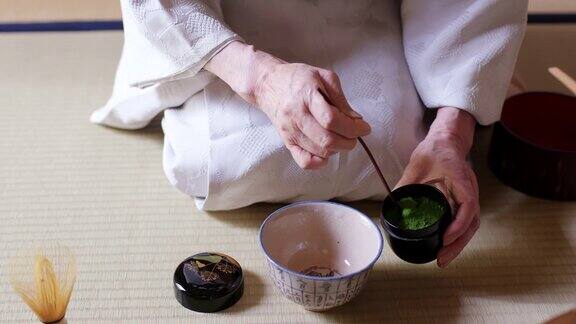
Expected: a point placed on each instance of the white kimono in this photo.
(394, 58)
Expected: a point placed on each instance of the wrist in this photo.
(454, 127)
(241, 66)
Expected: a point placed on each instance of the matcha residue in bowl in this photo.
(418, 213)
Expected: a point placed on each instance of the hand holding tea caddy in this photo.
(441, 158)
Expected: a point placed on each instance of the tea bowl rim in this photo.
(277, 264)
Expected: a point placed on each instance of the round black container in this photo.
(208, 282)
(533, 147)
(415, 246)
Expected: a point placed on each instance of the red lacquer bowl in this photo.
(533, 147)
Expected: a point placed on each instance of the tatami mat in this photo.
(67, 10)
(551, 6)
(58, 10)
(102, 192)
(545, 46)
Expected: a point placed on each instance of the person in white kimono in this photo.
(264, 100)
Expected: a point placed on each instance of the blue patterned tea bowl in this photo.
(320, 253)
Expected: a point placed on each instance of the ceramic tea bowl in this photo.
(320, 253)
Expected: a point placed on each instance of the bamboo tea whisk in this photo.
(44, 277)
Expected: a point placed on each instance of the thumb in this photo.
(410, 175)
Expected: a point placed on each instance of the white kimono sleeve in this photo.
(461, 53)
(166, 44)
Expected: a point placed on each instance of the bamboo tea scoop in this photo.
(375, 164)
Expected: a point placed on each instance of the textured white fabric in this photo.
(461, 52)
(164, 41)
(221, 148)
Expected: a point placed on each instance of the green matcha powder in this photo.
(418, 213)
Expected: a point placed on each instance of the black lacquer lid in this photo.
(208, 282)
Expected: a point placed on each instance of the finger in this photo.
(323, 138)
(442, 185)
(298, 138)
(414, 172)
(465, 215)
(474, 180)
(334, 91)
(304, 159)
(410, 175)
(450, 252)
(330, 118)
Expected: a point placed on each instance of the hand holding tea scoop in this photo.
(294, 97)
(44, 277)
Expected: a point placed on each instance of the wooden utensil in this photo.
(564, 78)
(372, 159)
(375, 164)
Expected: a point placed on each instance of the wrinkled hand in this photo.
(441, 159)
(309, 110)
(306, 104)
